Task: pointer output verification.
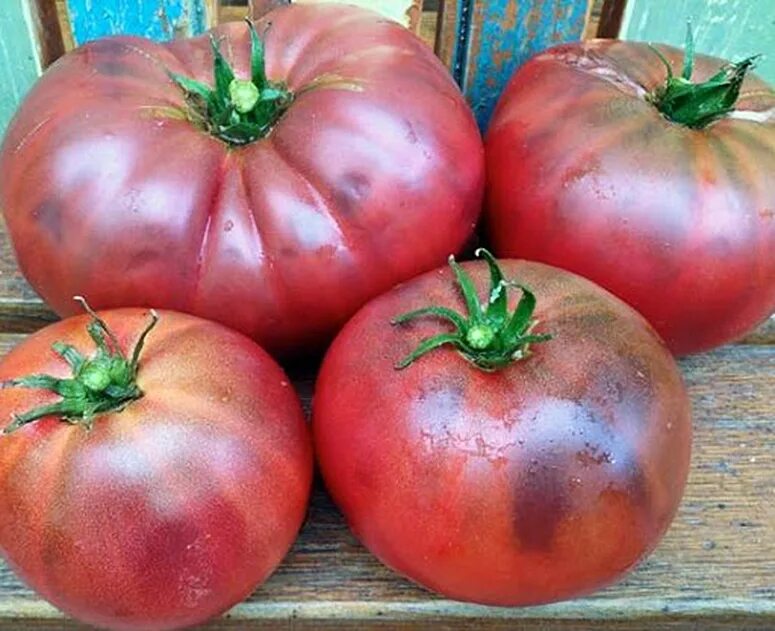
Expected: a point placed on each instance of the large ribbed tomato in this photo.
(366, 169)
(586, 173)
(176, 504)
(527, 482)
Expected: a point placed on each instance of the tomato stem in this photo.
(238, 111)
(104, 382)
(489, 336)
(697, 105)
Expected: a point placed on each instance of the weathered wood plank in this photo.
(45, 19)
(731, 29)
(491, 38)
(20, 59)
(156, 19)
(714, 569)
(257, 8)
(610, 21)
(406, 12)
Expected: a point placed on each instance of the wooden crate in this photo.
(716, 567)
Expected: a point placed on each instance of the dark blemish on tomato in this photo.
(767, 213)
(598, 324)
(110, 67)
(353, 188)
(541, 503)
(146, 256)
(49, 215)
(107, 46)
(411, 135)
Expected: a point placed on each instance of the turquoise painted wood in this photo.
(156, 19)
(731, 29)
(19, 57)
(497, 36)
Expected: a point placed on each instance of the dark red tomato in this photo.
(585, 173)
(167, 512)
(544, 480)
(366, 169)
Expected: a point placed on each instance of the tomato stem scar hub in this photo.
(697, 105)
(244, 95)
(489, 336)
(237, 111)
(104, 382)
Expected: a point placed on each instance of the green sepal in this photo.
(223, 111)
(257, 63)
(427, 345)
(191, 86)
(686, 74)
(497, 305)
(468, 290)
(487, 337)
(440, 312)
(697, 105)
(223, 75)
(105, 382)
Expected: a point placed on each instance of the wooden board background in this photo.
(19, 56)
(731, 29)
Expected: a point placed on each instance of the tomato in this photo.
(358, 166)
(168, 501)
(586, 173)
(533, 472)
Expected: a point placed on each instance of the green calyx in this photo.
(489, 336)
(104, 382)
(697, 105)
(238, 111)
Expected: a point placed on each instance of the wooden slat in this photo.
(713, 570)
(156, 19)
(46, 22)
(484, 41)
(20, 59)
(451, 34)
(407, 12)
(731, 29)
(610, 20)
(257, 8)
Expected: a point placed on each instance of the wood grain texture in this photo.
(45, 19)
(452, 35)
(406, 12)
(497, 36)
(156, 19)
(257, 8)
(20, 59)
(731, 29)
(714, 569)
(610, 19)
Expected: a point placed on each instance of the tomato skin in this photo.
(544, 481)
(171, 511)
(585, 174)
(374, 174)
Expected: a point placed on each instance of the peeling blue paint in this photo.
(503, 34)
(155, 19)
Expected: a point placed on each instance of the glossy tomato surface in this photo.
(585, 174)
(373, 175)
(543, 481)
(174, 509)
